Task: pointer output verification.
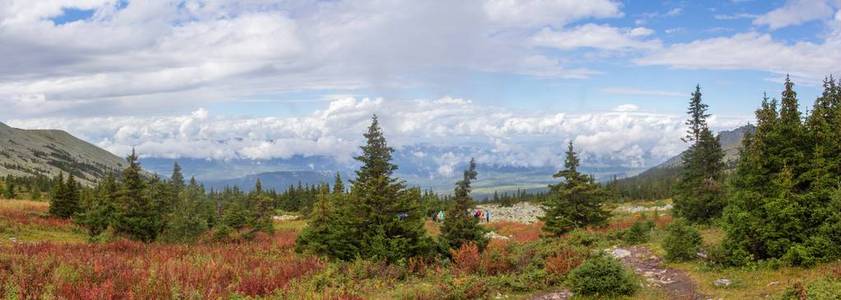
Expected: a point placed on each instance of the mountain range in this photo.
(49, 152)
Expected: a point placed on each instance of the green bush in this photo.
(638, 233)
(824, 289)
(682, 241)
(602, 276)
(799, 255)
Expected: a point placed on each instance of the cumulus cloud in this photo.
(140, 54)
(499, 137)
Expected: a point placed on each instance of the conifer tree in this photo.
(460, 227)
(575, 202)
(188, 220)
(388, 216)
(338, 185)
(330, 231)
(64, 199)
(9, 189)
(699, 195)
(177, 178)
(98, 211)
(137, 215)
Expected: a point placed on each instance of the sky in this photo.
(263, 79)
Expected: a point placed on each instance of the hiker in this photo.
(487, 216)
(402, 216)
(440, 216)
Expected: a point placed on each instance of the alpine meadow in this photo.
(489, 149)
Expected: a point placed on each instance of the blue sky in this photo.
(301, 77)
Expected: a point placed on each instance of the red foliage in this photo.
(563, 262)
(466, 258)
(495, 259)
(519, 232)
(133, 270)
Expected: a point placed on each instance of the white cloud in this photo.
(596, 36)
(188, 53)
(796, 12)
(754, 51)
(624, 136)
(541, 12)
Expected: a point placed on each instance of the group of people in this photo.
(479, 214)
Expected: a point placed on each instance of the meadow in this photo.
(46, 258)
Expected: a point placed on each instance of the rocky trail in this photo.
(677, 284)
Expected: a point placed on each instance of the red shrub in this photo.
(495, 259)
(563, 262)
(466, 258)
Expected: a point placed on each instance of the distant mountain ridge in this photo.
(667, 172)
(25, 152)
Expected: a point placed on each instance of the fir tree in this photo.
(330, 231)
(460, 227)
(575, 202)
(188, 220)
(98, 211)
(64, 200)
(699, 196)
(387, 216)
(338, 184)
(177, 178)
(137, 216)
(9, 189)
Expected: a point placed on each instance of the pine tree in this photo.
(137, 215)
(575, 202)
(388, 216)
(699, 195)
(460, 227)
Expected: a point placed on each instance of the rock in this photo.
(636, 209)
(723, 282)
(773, 283)
(620, 253)
(285, 217)
(495, 236)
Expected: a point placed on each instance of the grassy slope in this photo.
(26, 221)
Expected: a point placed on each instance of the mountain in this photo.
(48, 152)
(657, 182)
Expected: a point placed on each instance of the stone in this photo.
(723, 282)
(620, 253)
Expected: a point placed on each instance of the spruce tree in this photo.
(460, 227)
(330, 231)
(177, 178)
(98, 211)
(64, 199)
(9, 189)
(338, 184)
(188, 220)
(388, 216)
(137, 215)
(575, 202)
(699, 195)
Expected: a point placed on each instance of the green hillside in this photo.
(48, 152)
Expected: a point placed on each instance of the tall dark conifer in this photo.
(137, 215)
(460, 227)
(387, 215)
(699, 195)
(575, 202)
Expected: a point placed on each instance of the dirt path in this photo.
(676, 283)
